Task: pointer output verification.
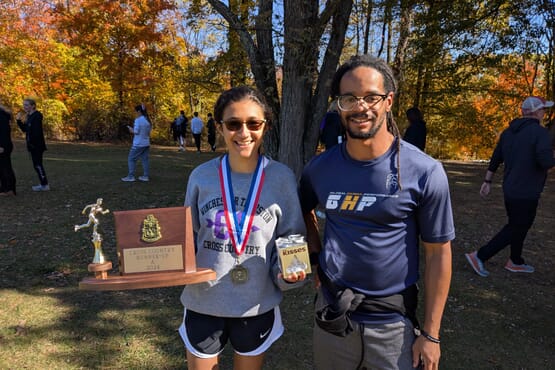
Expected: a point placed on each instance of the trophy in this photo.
(155, 248)
(99, 264)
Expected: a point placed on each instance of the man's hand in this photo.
(426, 351)
(485, 189)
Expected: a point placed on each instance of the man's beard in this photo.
(364, 135)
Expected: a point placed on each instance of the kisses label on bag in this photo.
(293, 254)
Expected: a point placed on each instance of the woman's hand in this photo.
(294, 277)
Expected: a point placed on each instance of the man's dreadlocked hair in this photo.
(390, 86)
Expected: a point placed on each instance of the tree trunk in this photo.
(322, 92)
(267, 75)
(407, 14)
(299, 70)
(367, 26)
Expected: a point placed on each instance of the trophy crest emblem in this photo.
(151, 231)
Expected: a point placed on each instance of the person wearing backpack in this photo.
(179, 127)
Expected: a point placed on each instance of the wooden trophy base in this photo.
(146, 280)
(100, 269)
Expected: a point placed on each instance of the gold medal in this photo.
(239, 274)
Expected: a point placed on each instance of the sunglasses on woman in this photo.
(236, 124)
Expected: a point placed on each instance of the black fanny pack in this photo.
(334, 317)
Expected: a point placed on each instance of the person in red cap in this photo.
(525, 149)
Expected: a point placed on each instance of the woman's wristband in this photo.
(429, 337)
(487, 181)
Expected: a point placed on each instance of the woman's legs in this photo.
(131, 161)
(145, 161)
(241, 362)
(36, 157)
(136, 153)
(197, 363)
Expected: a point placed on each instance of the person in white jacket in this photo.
(141, 145)
(196, 129)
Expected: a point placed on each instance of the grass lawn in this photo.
(505, 321)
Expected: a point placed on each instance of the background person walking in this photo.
(179, 128)
(525, 149)
(211, 126)
(416, 133)
(331, 129)
(196, 129)
(141, 145)
(31, 124)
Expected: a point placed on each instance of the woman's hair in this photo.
(142, 109)
(239, 93)
(414, 114)
(30, 101)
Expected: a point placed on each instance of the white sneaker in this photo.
(128, 178)
(41, 187)
(143, 178)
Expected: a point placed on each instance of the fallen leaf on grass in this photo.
(20, 329)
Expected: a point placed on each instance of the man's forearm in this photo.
(437, 279)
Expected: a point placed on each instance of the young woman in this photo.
(141, 145)
(241, 203)
(31, 124)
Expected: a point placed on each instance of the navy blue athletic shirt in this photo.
(371, 236)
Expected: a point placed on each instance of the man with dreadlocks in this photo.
(385, 196)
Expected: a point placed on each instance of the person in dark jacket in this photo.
(7, 176)
(179, 128)
(34, 137)
(211, 125)
(525, 149)
(416, 132)
(331, 129)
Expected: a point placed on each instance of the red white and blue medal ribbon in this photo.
(239, 230)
